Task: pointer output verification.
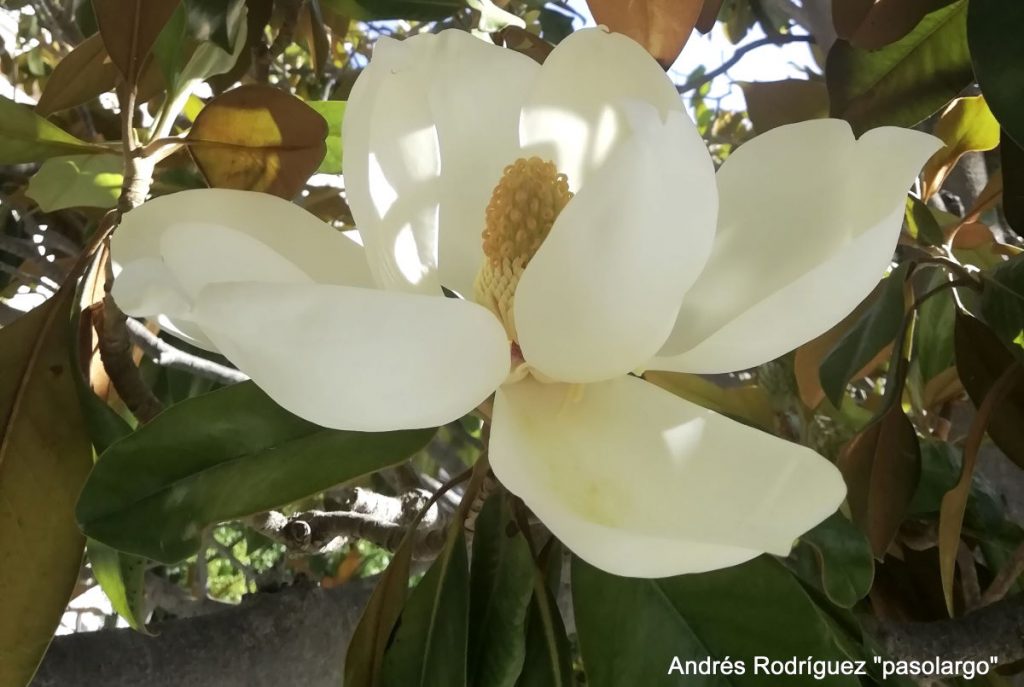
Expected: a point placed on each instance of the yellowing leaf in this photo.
(661, 26)
(45, 457)
(92, 181)
(258, 138)
(965, 125)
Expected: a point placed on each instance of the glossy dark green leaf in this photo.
(933, 332)
(211, 20)
(375, 10)
(1012, 157)
(631, 629)
(27, 137)
(981, 359)
(993, 32)
(881, 466)
(555, 25)
(549, 656)
(1002, 301)
(841, 562)
(219, 456)
(501, 587)
(906, 81)
(429, 645)
(875, 330)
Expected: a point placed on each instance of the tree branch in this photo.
(708, 77)
(373, 517)
(994, 630)
(166, 355)
(294, 637)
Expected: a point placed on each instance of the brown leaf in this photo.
(808, 359)
(774, 103)
(1005, 390)
(82, 75)
(129, 29)
(708, 15)
(881, 466)
(887, 21)
(522, 41)
(258, 138)
(981, 359)
(661, 26)
(848, 15)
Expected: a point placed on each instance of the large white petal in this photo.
(430, 125)
(358, 359)
(602, 294)
(571, 115)
(170, 247)
(642, 483)
(809, 218)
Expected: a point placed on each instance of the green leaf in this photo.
(981, 359)
(121, 576)
(333, 111)
(1002, 300)
(875, 330)
(993, 32)
(44, 459)
(906, 81)
(185, 57)
(840, 560)
(414, 10)
(922, 223)
(429, 645)
(548, 661)
(933, 332)
(501, 588)
(219, 456)
(212, 20)
(754, 609)
(77, 181)
(27, 137)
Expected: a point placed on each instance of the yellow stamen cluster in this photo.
(519, 217)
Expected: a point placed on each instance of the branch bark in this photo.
(294, 637)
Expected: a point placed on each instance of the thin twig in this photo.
(707, 77)
(166, 355)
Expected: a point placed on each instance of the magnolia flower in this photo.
(574, 219)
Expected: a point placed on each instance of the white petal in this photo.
(602, 293)
(642, 483)
(171, 246)
(571, 115)
(358, 359)
(318, 250)
(429, 127)
(808, 221)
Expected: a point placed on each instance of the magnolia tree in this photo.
(382, 343)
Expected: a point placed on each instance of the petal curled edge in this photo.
(809, 219)
(641, 483)
(567, 117)
(171, 247)
(358, 359)
(429, 127)
(602, 294)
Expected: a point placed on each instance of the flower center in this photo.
(523, 207)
